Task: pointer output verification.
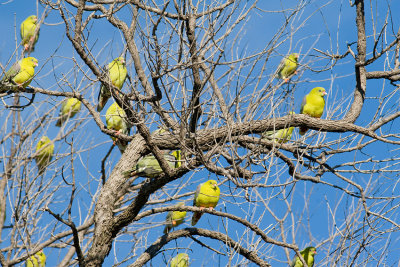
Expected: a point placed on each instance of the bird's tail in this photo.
(196, 217)
(167, 229)
(303, 130)
(102, 102)
(59, 122)
(121, 145)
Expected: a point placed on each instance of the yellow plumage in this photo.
(288, 66)
(28, 30)
(174, 218)
(20, 74)
(313, 105)
(116, 120)
(280, 136)
(37, 260)
(44, 153)
(69, 108)
(117, 72)
(308, 255)
(180, 260)
(206, 196)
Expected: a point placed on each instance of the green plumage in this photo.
(149, 167)
(180, 260)
(313, 105)
(174, 218)
(116, 72)
(288, 67)
(206, 196)
(280, 136)
(44, 153)
(28, 30)
(308, 256)
(69, 108)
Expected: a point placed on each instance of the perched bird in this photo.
(37, 260)
(174, 218)
(313, 105)
(20, 75)
(116, 120)
(180, 260)
(206, 196)
(149, 167)
(280, 136)
(116, 72)
(28, 30)
(288, 67)
(308, 256)
(44, 153)
(69, 108)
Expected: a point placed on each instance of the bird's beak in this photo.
(325, 93)
(36, 64)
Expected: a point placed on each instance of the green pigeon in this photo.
(313, 105)
(180, 260)
(116, 71)
(174, 218)
(149, 167)
(116, 120)
(69, 108)
(44, 153)
(37, 260)
(280, 136)
(308, 256)
(28, 29)
(21, 73)
(206, 196)
(288, 67)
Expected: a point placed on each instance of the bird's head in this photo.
(44, 140)
(213, 184)
(311, 250)
(294, 56)
(40, 253)
(318, 91)
(31, 61)
(120, 60)
(33, 18)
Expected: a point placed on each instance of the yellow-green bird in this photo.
(44, 153)
(69, 108)
(288, 67)
(180, 260)
(313, 105)
(280, 136)
(308, 255)
(174, 218)
(28, 30)
(149, 167)
(37, 260)
(206, 196)
(116, 71)
(116, 120)
(20, 74)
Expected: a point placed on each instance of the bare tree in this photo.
(197, 69)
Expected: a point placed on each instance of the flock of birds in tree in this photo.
(19, 76)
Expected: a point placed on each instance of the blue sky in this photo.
(328, 28)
